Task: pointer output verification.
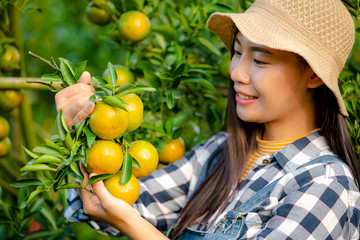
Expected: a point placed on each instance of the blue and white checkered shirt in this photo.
(321, 201)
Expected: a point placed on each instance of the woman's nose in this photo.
(240, 71)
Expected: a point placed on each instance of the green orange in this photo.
(10, 58)
(4, 127)
(5, 146)
(98, 12)
(134, 26)
(10, 99)
(124, 75)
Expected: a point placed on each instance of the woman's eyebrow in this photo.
(255, 48)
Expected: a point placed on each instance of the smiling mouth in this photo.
(246, 97)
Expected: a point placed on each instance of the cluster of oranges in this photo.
(132, 25)
(109, 123)
(5, 143)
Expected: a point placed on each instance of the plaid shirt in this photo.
(319, 201)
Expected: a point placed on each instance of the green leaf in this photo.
(170, 99)
(135, 163)
(200, 81)
(179, 69)
(41, 234)
(348, 88)
(69, 142)
(124, 87)
(33, 194)
(99, 81)
(30, 153)
(36, 167)
(217, 7)
(90, 137)
(114, 101)
(99, 177)
(59, 126)
(25, 183)
(79, 69)
(48, 159)
(74, 166)
(79, 129)
(69, 186)
(52, 144)
(168, 126)
(139, 89)
(50, 78)
(152, 79)
(126, 169)
(140, 4)
(177, 133)
(151, 126)
(113, 75)
(48, 214)
(67, 71)
(209, 45)
(45, 149)
(166, 30)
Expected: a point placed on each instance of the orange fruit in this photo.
(129, 192)
(10, 99)
(172, 151)
(96, 13)
(5, 146)
(104, 156)
(135, 109)
(108, 122)
(146, 155)
(10, 59)
(124, 75)
(4, 127)
(134, 26)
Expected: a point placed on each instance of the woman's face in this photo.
(271, 85)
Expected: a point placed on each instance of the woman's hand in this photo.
(100, 204)
(74, 100)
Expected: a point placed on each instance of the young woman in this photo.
(285, 169)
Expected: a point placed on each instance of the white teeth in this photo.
(246, 97)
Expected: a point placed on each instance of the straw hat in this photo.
(321, 31)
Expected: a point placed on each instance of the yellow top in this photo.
(264, 148)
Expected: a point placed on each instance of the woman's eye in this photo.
(257, 62)
(237, 53)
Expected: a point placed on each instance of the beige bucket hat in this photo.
(321, 31)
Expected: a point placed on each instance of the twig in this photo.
(44, 60)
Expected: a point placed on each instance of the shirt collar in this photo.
(298, 152)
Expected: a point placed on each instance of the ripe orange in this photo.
(104, 157)
(128, 192)
(172, 151)
(124, 75)
(146, 155)
(4, 127)
(10, 99)
(135, 109)
(5, 146)
(134, 25)
(108, 122)
(10, 59)
(95, 13)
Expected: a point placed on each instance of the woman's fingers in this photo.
(85, 78)
(101, 191)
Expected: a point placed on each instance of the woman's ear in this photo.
(314, 81)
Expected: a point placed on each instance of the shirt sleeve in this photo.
(163, 194)
(321, 209)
